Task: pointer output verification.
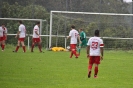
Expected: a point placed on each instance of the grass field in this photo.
(57, 70)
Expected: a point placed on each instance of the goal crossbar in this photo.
(40, 20)
(90, 13)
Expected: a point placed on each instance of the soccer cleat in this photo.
(78, 54)
(14, 51)
(41, 52)
(95, 76)
(89, 75)
(76, 57)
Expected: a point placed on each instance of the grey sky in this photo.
(127, 0)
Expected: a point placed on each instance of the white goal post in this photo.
(86, 13)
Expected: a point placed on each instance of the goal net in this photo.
(115, 29)
(12, 27)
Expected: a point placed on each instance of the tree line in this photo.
(40, 9)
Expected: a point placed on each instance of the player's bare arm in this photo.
(17, 34)
(101, 50)
(36, 33)
(68, 37)
(88, 51)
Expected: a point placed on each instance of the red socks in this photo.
(3, 47)
(96, 70)
(17, 48)
(24, 49)
(39, 46)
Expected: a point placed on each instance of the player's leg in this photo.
(39, 46)
(23, 45)
(97, 62)
(3, 45)
(17, 47)
(4, 42)
(73, 50)
(79, 48)
(91, 61)
(33, 44)
(95, 70)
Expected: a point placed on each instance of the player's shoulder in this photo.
(36, 26)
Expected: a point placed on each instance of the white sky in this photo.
(127, 0)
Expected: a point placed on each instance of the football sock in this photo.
(89, 73)
(3, 47)
(96, 71)
(32, 47)
(39, 46)
(24, 49)
(17, 48)
(71, 54)
(74, 52)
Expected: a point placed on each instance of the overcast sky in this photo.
(127, 0)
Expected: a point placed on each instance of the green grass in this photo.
(57, 70)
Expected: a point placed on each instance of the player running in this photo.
(94, 53)
(36, 37)
(73, 35)
(83, 39)
(21, 36)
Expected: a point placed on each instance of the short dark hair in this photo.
(81, 29)
(3, 24)
(73, 26)
(20, 22)
(37, 22)
(96, 32)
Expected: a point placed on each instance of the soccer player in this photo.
(73, 35)
(36, 37)
(83, 39)
(2, 32)
(94, 53)
(21, 34)
(4, 37)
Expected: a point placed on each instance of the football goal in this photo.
(115, 29)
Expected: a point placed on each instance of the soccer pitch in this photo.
(57, 70)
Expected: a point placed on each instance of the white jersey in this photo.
(1, 31)
(95, 43)
(74, 35)
(22, 31)
(36, 29)
(5, 30)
